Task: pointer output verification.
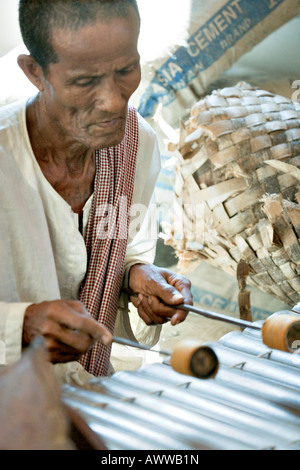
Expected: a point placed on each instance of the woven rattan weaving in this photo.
(238, 188)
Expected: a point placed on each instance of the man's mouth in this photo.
(107, 124)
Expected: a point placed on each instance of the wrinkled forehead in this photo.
(63, 16)
(112, 42)
(101, 28)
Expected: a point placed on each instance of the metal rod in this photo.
(133, 344)
(200, 362)
(218, 316)
(208, 314)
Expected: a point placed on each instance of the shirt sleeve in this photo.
(11, 331)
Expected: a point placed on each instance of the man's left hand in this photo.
(157, 293)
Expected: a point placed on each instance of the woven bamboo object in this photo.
(237, 188)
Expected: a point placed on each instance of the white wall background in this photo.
(10, 36)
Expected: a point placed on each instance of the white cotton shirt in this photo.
(42, 253)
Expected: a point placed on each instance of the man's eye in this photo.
(128, 70)
(124, 71)
(84, 82)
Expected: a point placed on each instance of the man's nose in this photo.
(110, 96)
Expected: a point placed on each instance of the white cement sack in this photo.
(202, 40)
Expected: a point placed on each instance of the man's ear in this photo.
(32, 70)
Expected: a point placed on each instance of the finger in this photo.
(145, 312)
(76, 330)
(65, 345)
(60, 353)
(137, 302)
(185, 290)
(143, 315)
(151, 280)
(168, 294)
(151, 308)
(102, 334)
(182, 285)
(178, 317)
(166, 312)
(68, 338)
(136, 299)
(159, 308)
(76, 318)
(153, 313)
(170, 287)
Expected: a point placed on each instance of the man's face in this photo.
(87, 92)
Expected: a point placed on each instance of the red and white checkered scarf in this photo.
(106, 237)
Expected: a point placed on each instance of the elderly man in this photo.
(75, 160)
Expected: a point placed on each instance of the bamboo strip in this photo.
(240, 156)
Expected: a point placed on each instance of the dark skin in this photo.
(82, 106)
(75, 184)
(157, 289)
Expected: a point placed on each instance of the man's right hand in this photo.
(68, 329)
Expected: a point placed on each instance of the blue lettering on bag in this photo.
(204, 48)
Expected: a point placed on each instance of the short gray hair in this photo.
(38, 18)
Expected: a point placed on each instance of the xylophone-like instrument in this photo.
(251, 403)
